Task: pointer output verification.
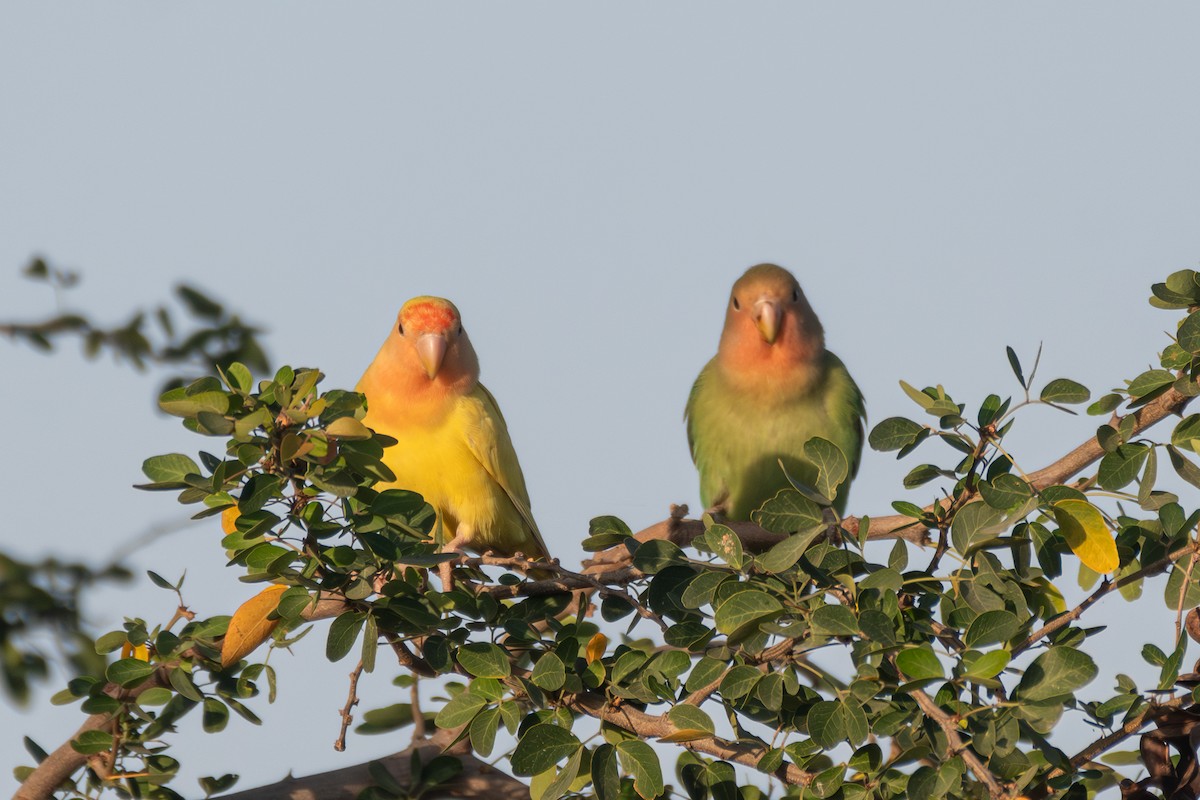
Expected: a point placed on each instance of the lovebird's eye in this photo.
(795, 295)
(736, 305)
(460, 329)
(400, 328)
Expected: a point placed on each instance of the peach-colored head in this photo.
(428, 350)
(769, 326)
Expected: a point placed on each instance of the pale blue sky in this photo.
(585, 183)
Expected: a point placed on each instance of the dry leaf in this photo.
(229, 518)
(250, 626)
(596, 647)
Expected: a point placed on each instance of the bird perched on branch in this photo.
(770, 389)
(453, 446)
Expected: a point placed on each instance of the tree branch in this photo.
(647, 726)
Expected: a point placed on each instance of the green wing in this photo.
(490, 443)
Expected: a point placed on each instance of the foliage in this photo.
(217, 337)
(837, 664)
(40, 617)
(39, 612)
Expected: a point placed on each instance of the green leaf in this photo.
(1057, 672)
(1063, 390)
(1187, 432)
(562, 780)
(1106, 404)
(974, 523)
(655, 555)
(348, 428)
(461, 709)
(129, 672)
(386, 719)
(1121, 466)
(789, 512)
(743, 608)
(1015, 363)
(343, 632)
(721, 540)
(991, 627)
(739, 681)
(178, 403)
(1184, 466)
(987, 665)
(171, 468)
(920, 663)
(688, 717)
(215, 715)
(606, 777)
(550, 673)
(834, 620)
(832, 721)
(91, 742)
(894, 433)
(639, 760)
(1149, 381)
(1005, 491)
(1189, 333)
(542, 746)
(785, 554)
(831, 464)
(485, 660)
(483, 730)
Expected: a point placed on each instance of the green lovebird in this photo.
(771, 387)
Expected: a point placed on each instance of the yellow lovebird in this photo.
(453, 446)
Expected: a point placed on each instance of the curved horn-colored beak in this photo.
(767, 316)
(431, 349)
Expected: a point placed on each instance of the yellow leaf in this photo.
(1087, 534)
(229, 518)
(249, 626)
(596, 647)
(141, 652)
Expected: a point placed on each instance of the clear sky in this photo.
(585, 182)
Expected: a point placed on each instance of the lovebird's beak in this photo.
(431, 349)
(767, 316)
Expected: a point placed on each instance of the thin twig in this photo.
(1106, 587)
(351, 702)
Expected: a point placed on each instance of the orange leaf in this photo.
(249, 626)
(229, 518)
(596, 647)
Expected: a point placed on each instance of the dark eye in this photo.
(736, 305)
(795, 295)
(400, 328)
(460, 329)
